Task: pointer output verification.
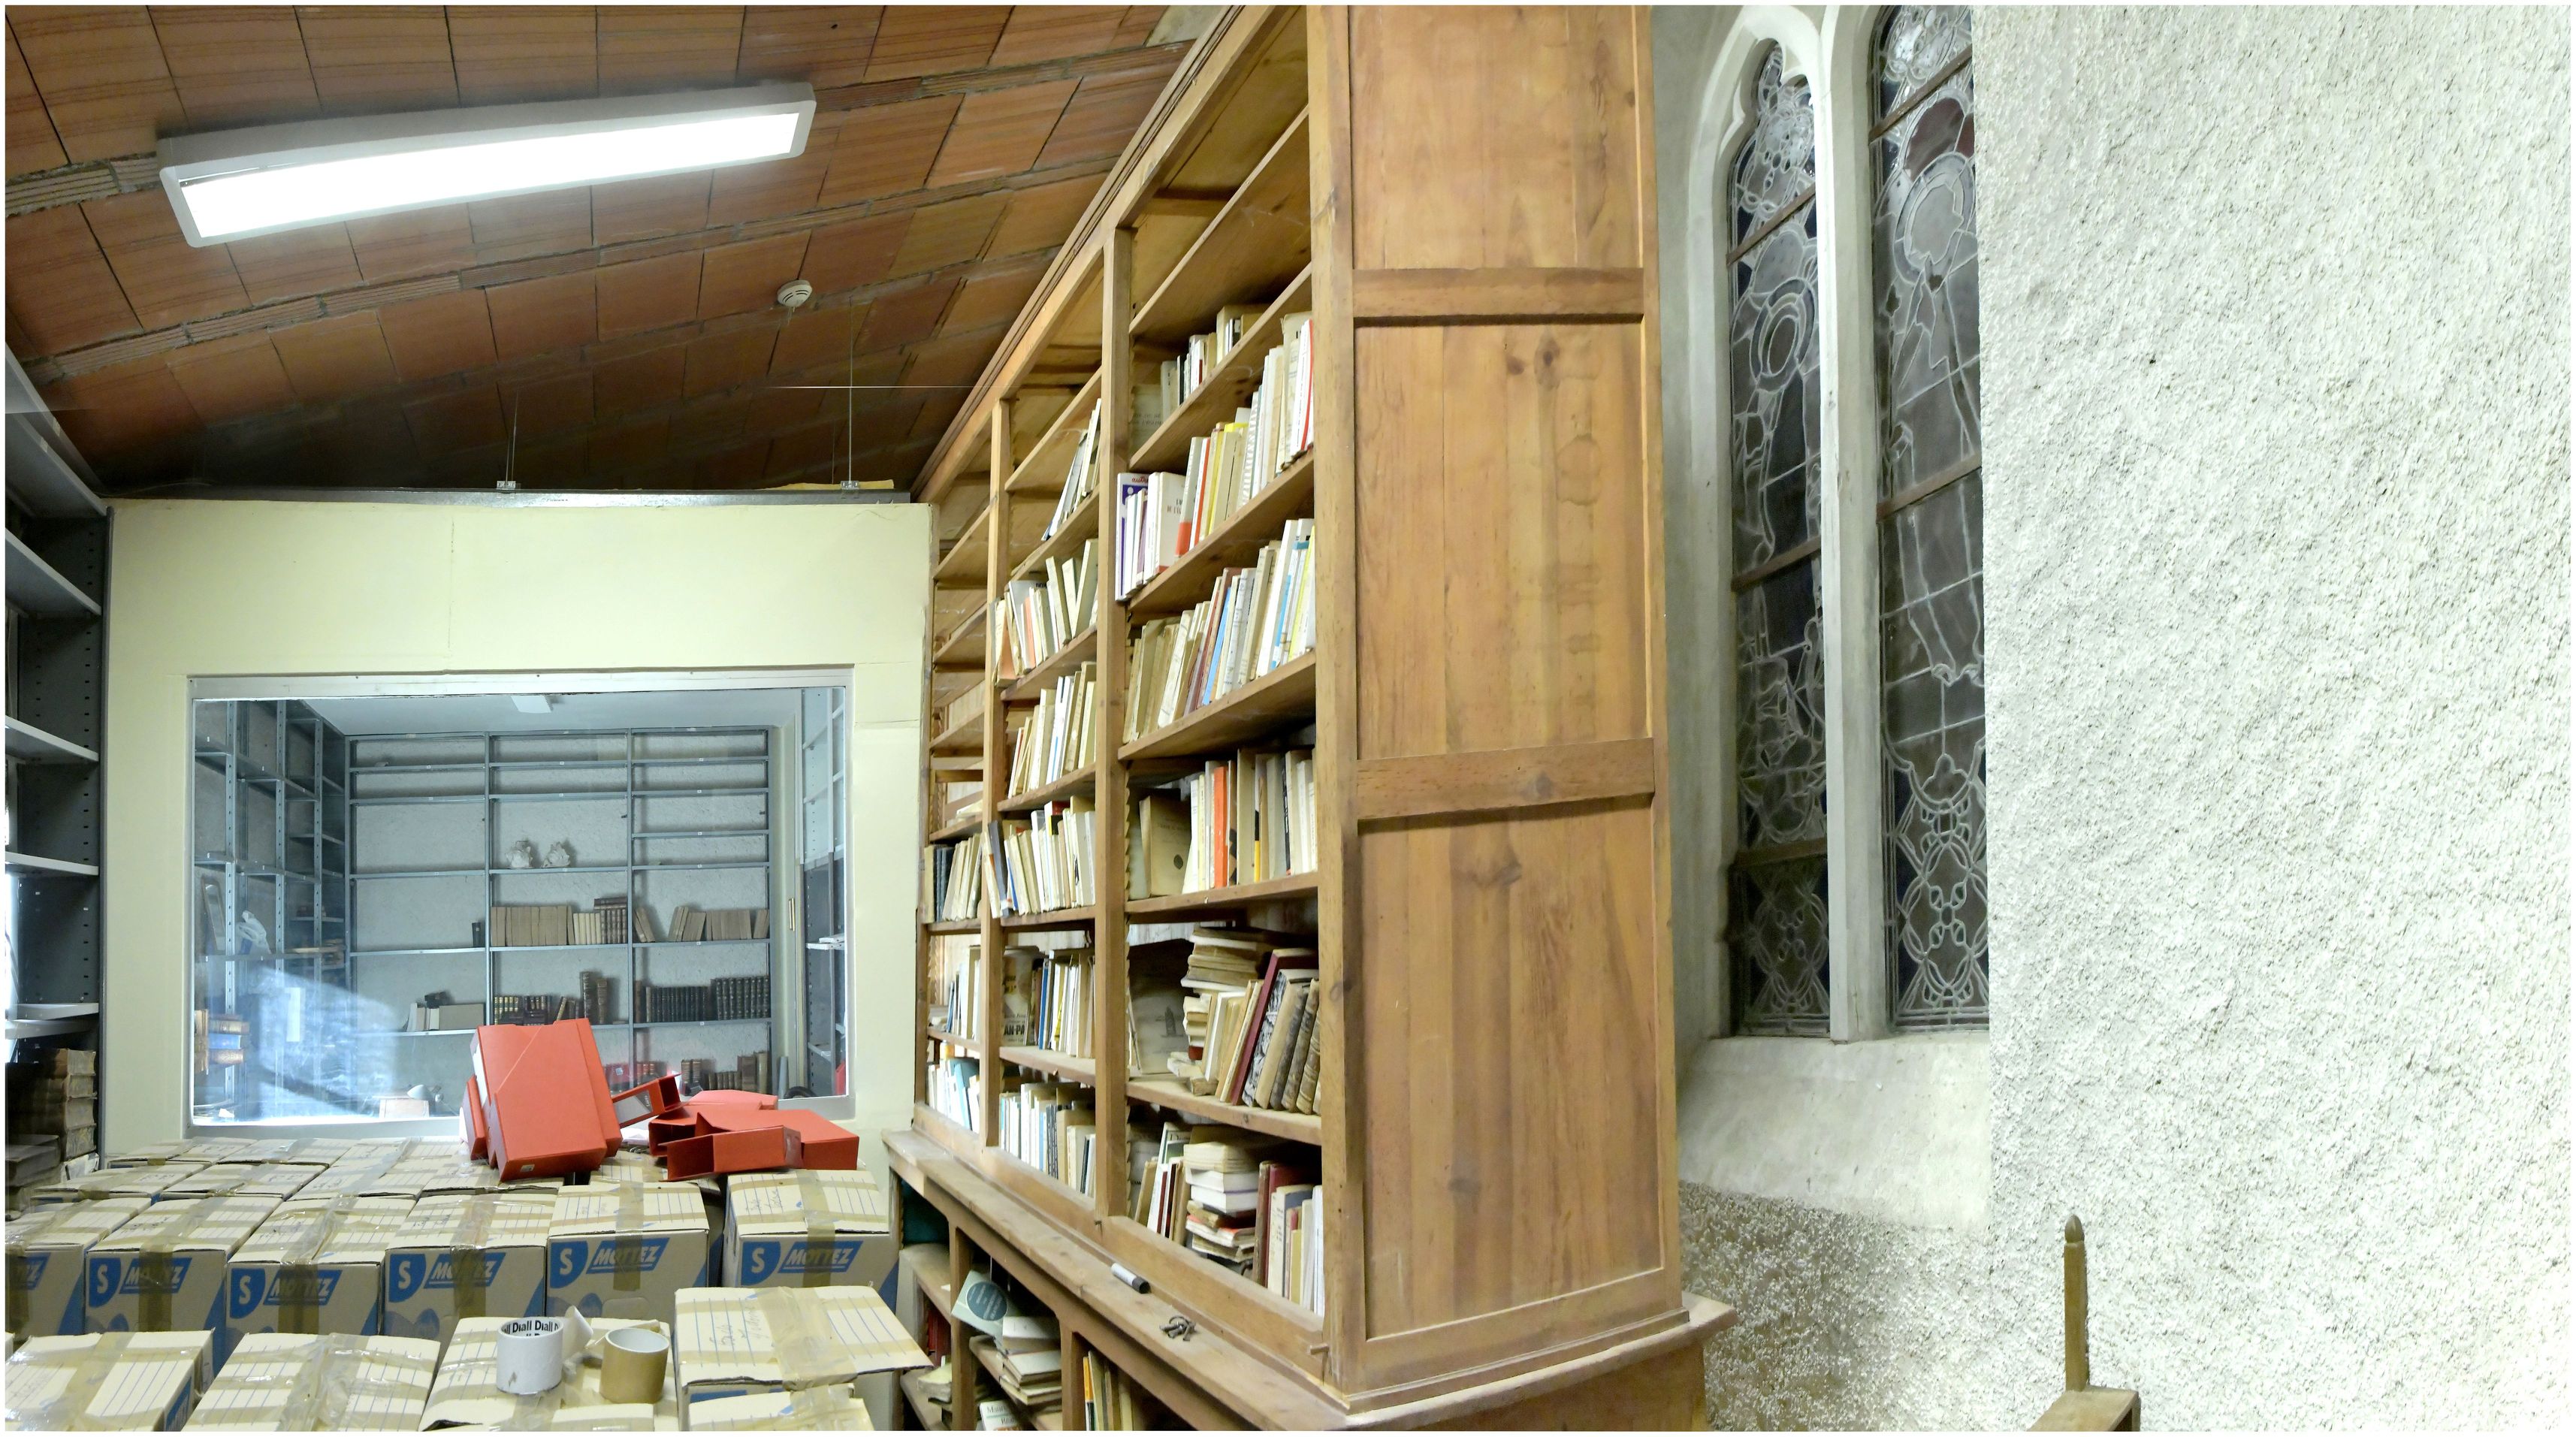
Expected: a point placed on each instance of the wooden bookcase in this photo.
(1464, 200)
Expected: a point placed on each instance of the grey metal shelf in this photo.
(39, 588)
(30, 744)
(57, 867)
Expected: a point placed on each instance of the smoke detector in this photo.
(794, 293)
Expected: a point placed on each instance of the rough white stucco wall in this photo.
(2275, 324)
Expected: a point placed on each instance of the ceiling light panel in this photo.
(240, 183)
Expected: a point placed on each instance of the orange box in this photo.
(750, 1151)
(821, 1142)
(647, 1100)
(549, 1112)
(478, 1136)
(732, 1098)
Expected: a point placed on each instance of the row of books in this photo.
(1247, 819)
(1181, 375)
(1028, 1368)
(1042, 862)
(1050, 1127)
(1058, 736)
(1240, 1200)
(560, 925)
(1053, 990)
(1081, 474)
(1251, 1015)
(1162, 516)
(956, 1087)
(692, 924)
(1257, 619)
(1112, 1401)
(723, 1000)
(1039, 616)
(950, 873)
(957, 989)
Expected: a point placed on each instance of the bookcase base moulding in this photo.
(1641, 1381)
(1308, 522)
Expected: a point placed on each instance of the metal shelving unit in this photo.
(637, 786)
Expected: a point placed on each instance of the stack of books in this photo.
(1162, 516)
(1043, 862)
(1289, 1231)
(1050, 1127)
(1258, 1044)
(956, 989)
(1182, 374)
(1057, 737)
(1205, 1192)
(1060, 1001)
(1081, 476)
(1040, 616)
(1030, 1372)
(956, 1087)
(1258, 619)
(949, 875)
(1248, 819)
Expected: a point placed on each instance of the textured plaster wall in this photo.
(2275, 326)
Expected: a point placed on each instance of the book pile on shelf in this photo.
(1050, 1127)
(956, 989)
(723, 1000)
(1182, 374)
(609, 913)
(1040, 616)
(598, 996)
(622, 1076)
(1057, 737)
(1025, 1359)
(1058, 986)
(1152, 407)
(950, 873)
(524, 1008)
(1044, 859)
(1250, 1009)
(1081, 475)
(749, 1074)
(53, 1117)
(1257, 619)
(955, 1087)
(692, 924)
(1248, 819)
(1162, 516)
(1237, 1199)
(532, 925)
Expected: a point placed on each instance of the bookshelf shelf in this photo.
(1260, 238)
(1283, 696)
(1165, 1093)
(1326, 162)
(1193, 575)
(1081, 649)
(1224, 900)
(1078, 782)
(30, 744)
(1047, 1060)
(1228, 384)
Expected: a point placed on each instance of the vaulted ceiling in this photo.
(620, 336)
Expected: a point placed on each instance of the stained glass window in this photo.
(1777, 888)
(1931, 518)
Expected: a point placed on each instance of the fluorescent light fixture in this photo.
(240, 183)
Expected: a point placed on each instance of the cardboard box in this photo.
(304, 1152)
(317, 1265)
(467, 1392)
(464, 1255)
(445, 1017)
(165, 1270)
(109, 1382)
(269, 1180)
(732, 1342)
(806, 1229)
(147, 1183)
(648, 1100)
(48, 1289)
(545, 1100)
(626, 1249)
(292, 1382)
(807, 1409)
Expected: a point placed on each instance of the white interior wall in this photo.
(255, 588)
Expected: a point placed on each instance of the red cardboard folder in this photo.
(757, 1150)
(821, 1142)
(647, 1100)
(478, 1138)
(548, 1100)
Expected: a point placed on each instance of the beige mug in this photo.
(633, 1362)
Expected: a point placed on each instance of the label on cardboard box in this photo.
(464, 1255)
(165, 1269)
(806, 1229)
(468, 1391)
(108, 1382)
(48, 1292)
(316, 1265)
(626, 1249)
(732, 1341)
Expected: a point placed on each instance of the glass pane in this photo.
(1924, 241)
(1771, 362)
(1777, 919)
(1776, 916)
(1932, 644)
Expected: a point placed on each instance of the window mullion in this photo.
(1863, 1005)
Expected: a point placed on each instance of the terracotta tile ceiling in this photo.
(621, 336)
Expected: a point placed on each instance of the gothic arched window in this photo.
(1777, 886)
(1932, 640)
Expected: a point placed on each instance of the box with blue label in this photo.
(165, 1269)
(733, 1343)
(466, 1255)
(626, 1249)
(48, 1293)
(806, 1229)
(317, 1265)
(109, 1382)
